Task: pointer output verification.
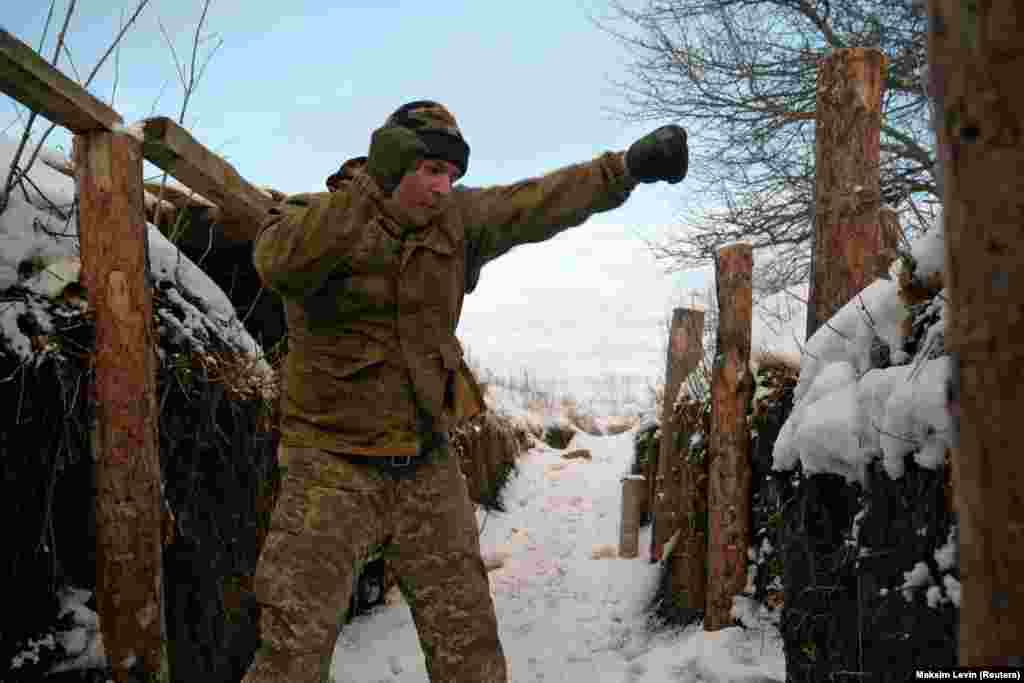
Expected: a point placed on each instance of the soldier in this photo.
(372, 275)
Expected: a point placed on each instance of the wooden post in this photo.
(650, 474)
(629, 526)
(729, 483)
(846, 226)
(685, 348)
(689, 574)
(974, 53)
(112, 230)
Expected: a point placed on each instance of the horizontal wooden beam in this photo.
(171, 148)
(30, 79)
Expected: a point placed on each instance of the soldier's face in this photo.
(422, 193)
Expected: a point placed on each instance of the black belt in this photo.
(391, 461)
(431, 442)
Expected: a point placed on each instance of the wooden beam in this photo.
(127, 464)
(30, 79)
(171, 148)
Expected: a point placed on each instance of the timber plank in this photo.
(30, 79)
(171, 148)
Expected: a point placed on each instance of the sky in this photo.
(294, 89)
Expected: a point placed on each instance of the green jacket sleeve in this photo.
(301, 242)
(498, 218)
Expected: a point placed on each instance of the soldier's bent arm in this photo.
(302, 242)
(533, 210)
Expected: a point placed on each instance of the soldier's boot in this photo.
(327, 518)
(437, 559)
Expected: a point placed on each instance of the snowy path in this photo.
(562, 615)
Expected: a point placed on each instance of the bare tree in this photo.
(741, 75)
(189, 75)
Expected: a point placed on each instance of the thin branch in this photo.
(117, 41)
(46, 26)
(16, 121)
(174, 54)
(195, 53)
(189, 84)
(117, 66)
(63, 32)
(71, 62)
(916, 442)
(152, 109)
(13, 173)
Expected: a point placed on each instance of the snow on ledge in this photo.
(846, 411)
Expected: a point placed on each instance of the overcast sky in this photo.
(297, 87)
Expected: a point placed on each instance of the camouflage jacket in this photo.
(373, 361)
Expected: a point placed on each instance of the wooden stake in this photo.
(847, 234)
(974, 52)
(689, 577)
(685, 349)
(732, 384)
(629, 527)
(689, 574)
(112, 230)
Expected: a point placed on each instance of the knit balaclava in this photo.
(418, 130)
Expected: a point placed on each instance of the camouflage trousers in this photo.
(331, 515)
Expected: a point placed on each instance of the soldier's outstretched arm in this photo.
(536, 209)
(301, 242)
(498, 218)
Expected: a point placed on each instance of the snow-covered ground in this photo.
(567, 611)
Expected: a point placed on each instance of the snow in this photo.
(916, 420)
(848, 412)
(83, 641)
(929, 252)
(569, 609)
(946, 556)
(952, 589)
(30, 231)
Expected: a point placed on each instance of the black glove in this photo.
(660, 155)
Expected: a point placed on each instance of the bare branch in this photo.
(174, 54)
(14, 173)
(71, 63)
(117, 40)
(152, 109)
(46, 26)
(63, 32)
(117, 66)
(189, 82)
